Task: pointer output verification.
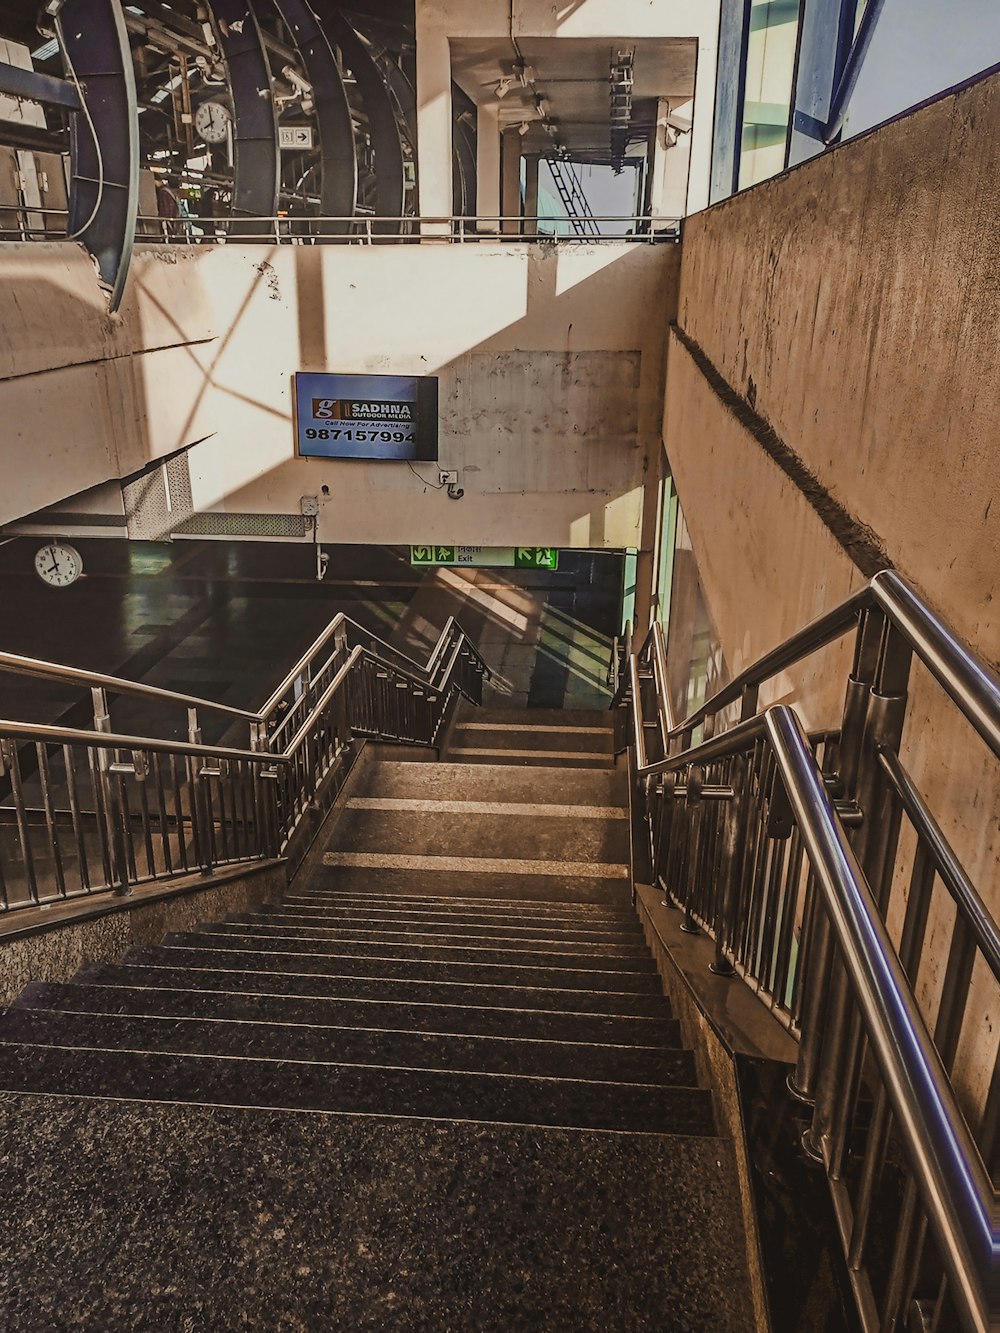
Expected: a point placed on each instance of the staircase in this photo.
(436, 1087)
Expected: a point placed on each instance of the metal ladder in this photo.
(575, 202)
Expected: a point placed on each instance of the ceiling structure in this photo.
(572, 77)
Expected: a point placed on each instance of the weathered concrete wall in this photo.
(84, 396)
(847, 312)
(551, 384)
(855, 301)
(551, 380)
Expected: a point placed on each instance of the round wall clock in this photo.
(212, 121)
(58, 564)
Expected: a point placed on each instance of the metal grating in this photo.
(242, 525)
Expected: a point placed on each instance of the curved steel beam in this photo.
(256, 160)
(465, 169)
(338, 151)
(390, 182)
(104, 138)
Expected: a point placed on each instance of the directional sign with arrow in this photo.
(295, 136)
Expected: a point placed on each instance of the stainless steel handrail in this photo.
(971, 685)
(731, 769)
(962, 1203)
(968, 682)
(37, 668)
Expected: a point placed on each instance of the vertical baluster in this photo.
(141, 774)
(13, 765)
(221, 784)
(694, 810)
(45, 780)
(104, 835)
(893, 1303)
(177, 786)
(791, 900)
(161, 813)
(76, 818)
(125, 825)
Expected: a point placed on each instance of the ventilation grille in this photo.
(242, 525)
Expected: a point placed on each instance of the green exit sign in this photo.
(487, 557)
(536, 557)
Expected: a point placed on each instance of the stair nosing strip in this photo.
(418, 981)
(430, 962)
(475, 865)
(378, 1115)
(327, 1027)
(343, 1064)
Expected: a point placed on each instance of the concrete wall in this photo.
(551, 384)
(551, 380)
(84, 396)
(848, 311)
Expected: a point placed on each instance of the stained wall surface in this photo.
(550, 385)
(847, 312)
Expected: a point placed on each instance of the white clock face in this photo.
(58, 564)
(212, 120)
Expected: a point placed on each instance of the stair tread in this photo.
(107, 988)
(431, 923)
(544, 953)
(86, 1165)
(27, 1024)
(332, 926)
(441, 883)
(245, 973)
(314, 960)
(381, 1090)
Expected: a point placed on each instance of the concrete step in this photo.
(355, 1089)
(480, 908)
(413, 878)
(534, 953)
(102, 988)
(499, 782)
(543, 717)
(563, 740)
(508, 930)
(487, 750)
(26, 1024)
(511, 925)
(482, 835)
(194, 969)
(313, 958)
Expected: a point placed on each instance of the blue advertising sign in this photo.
(366, 416)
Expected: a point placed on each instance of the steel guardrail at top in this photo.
(969, 683)
(39, 669)
(19, 222)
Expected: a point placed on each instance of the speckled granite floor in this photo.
(161, 1217)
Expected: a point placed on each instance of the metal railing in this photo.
(789, 850)
(21, 222)
(89, 811)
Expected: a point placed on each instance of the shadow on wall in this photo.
(534, 406)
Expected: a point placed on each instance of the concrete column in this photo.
(669, 168)
(510, 180)
(434, 113)
(701, 135)
(531, 194)
(488, 163)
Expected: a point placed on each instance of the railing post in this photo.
(818, 958)
(735, 834)
(695, 809)
(875, 846)
(114, 815)
(201, 831)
